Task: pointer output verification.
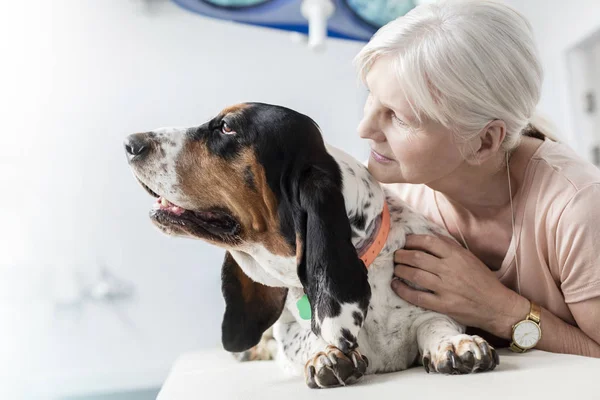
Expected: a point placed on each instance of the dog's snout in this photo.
(137, 145)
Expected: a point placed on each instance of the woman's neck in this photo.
(482, 192)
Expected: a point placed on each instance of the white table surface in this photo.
(214, 374)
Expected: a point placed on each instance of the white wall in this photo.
(559, 26)
(77, 76)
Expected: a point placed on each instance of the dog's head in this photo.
(256, 174)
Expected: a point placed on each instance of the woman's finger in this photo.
(418, 259)
(418, 276)
(430, 244)
(422, 299)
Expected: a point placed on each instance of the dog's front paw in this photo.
(333, 368)
(461, 354)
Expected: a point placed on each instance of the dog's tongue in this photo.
(166, 205)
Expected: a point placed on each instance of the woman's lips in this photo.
(380, 158)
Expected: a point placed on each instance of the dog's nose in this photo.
(137, 145)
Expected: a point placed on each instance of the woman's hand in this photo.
(464, 288)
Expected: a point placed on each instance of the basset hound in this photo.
(295, 216)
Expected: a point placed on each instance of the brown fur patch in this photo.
(256, 292)
(234, 109)
(209, 181)
(299, 248)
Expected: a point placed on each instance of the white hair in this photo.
(464, 64)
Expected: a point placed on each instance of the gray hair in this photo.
(464, 64)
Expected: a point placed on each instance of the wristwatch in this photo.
(527, 333)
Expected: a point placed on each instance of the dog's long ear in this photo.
(250, 307)
(333, 276)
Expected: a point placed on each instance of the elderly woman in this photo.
(450, 118)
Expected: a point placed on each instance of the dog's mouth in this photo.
(214, 222)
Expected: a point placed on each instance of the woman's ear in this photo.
(333, 276)
(250, 307)
(487, 143)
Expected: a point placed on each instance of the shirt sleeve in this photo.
(578, 245)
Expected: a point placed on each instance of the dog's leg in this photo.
(324, 365)
(446, 349)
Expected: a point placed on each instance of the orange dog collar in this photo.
(370, 254)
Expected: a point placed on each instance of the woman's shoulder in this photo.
(562, 169)
(564, 188)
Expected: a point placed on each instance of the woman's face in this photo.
(402, 150)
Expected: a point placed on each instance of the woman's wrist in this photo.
(515, 310)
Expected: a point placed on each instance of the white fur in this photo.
(265, 267)
(160, 173)
(331, 327)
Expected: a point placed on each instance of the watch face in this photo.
(527, 334)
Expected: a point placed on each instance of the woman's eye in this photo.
(226, 129)
(398, 120)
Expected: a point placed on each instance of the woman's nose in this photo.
(368, 128)
(364, 129)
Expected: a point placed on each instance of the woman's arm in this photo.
(557, 335)
(465, 289)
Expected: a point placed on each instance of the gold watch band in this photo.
(514, 347)
(535, 313)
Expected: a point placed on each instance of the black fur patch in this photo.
(358, 319)
(358, 220)
(330, 309)
(350, 338)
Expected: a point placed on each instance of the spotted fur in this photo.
(395, 334)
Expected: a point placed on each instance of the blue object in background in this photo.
(379, 12)
(352, 19)
(236, 3)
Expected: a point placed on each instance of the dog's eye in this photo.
(226, 129)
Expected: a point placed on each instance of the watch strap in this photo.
(535, 313)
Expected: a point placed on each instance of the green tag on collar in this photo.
(304, 307)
